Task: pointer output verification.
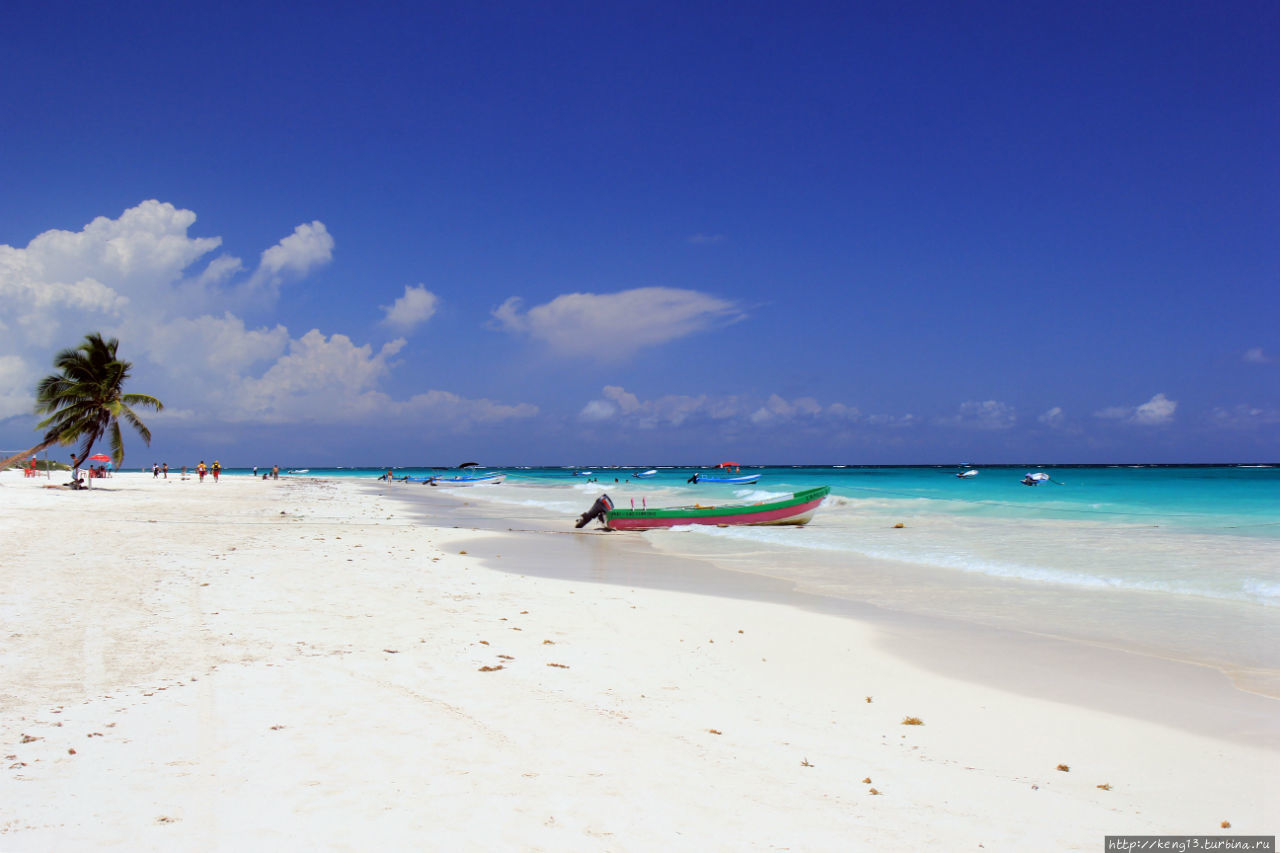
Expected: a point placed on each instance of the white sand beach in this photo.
(308, 664)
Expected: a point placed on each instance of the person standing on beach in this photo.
(201, 470)
(165, 469)
(217, 469)
(275, 472)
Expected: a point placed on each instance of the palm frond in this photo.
(133, 421)
(142, 400)
(117, 443)
(85, 400)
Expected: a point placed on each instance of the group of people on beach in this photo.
(161, 469)
(80, 477)
(215, 470)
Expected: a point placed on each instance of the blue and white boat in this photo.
(745, 479)
(479, 480)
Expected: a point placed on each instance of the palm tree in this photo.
(86, 401)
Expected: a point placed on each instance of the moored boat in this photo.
(483, 480)
(797, 508)
(733, 469)
(744, 480)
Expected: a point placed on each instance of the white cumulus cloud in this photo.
(308, 247)
(668, 410)
(208, 350)
(616, 325)
(63, 282)
(1158, 410)
(317, 372)
(415, 307)
(1054, 417)
(616, 403)
(16, 378)
(1155, 412)
(143, 278)
(598, 410)
(778, 408)
(984, 415)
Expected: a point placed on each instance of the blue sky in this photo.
(575, 233)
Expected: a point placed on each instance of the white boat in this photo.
(743, 480)
(482, 480)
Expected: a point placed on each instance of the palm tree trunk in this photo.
(84, 454)
(27, 453)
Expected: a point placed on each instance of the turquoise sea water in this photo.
(1191, 530)
(1177, 561)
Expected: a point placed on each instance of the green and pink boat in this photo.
(797, 508)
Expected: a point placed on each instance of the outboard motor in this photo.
(598, 509)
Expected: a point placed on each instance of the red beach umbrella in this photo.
(99, 457)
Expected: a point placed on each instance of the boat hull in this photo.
(471, 481)
(744, 480)
(459, 481)
(796, 509)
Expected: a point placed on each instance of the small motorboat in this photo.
(481, 480)
(797, 508)
(743, 480)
